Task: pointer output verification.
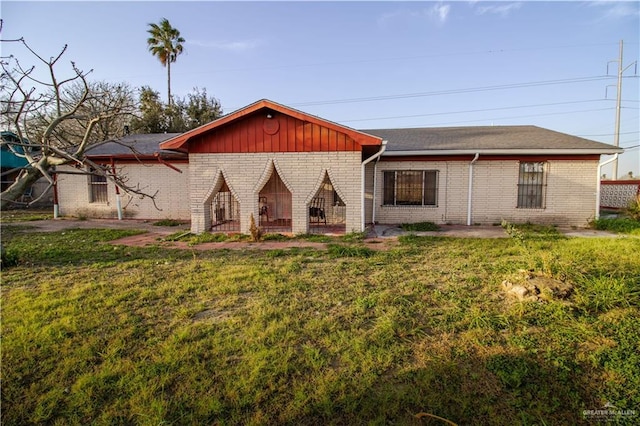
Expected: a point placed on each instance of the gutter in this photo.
(470, 193)
(598, 183)
(376, 156)
(502, 152)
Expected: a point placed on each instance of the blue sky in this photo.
(369, 64)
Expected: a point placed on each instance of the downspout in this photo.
(362, 175)
(373, 205)
(469, 196)
(56, 206)
(611, 160)
(118, 201)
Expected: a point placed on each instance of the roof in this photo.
(135, 145)
(8, 159)
(179, 142)
(488, 140)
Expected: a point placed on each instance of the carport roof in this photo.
(135, 146)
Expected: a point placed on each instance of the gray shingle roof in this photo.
(430, 139)
(139, 144)
(484, 138)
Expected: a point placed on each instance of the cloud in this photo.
(438, 13)
(234, 46)
(617, 10)
(502, 9)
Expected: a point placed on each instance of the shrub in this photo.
(8, 257)
(633, 210)
(256, 232)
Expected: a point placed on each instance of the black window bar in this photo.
(98, 188)
(531, 185)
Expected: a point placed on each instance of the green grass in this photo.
(24, 215)
(620, 225)
(101, 334)
(420, 227)
(169, 222)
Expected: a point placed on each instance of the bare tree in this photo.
(104, 97)
(55, 120)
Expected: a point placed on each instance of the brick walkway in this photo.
(383, 237)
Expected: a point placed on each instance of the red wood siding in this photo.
(293, 135)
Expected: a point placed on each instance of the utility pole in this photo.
(616, 138)
(621, 70)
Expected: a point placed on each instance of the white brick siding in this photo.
(570, 193)
(569, 199)
(245, 174)
(172, 198)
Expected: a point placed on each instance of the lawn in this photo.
(100, 334)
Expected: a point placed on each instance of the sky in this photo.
(369, 65)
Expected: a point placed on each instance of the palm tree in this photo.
(165, 43)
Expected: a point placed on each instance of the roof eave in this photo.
(139, 157)
(556, 151)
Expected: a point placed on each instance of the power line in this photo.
(512, 117)
(392, 58)
(608, 134)
(454, 91)
(469, 111)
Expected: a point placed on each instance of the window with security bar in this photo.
(410, 188)
(97, 188)
(532, 185)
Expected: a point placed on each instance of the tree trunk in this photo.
(12, 194)
(169, 82)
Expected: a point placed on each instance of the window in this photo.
(410, 188)
(531, 185)
(97, 188)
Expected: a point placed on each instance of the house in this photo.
(295, 172)
(298, 173)
(482, 175)
(143, 166)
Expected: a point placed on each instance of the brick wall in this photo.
(246, 174)
(172, 197)
(570, 193)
